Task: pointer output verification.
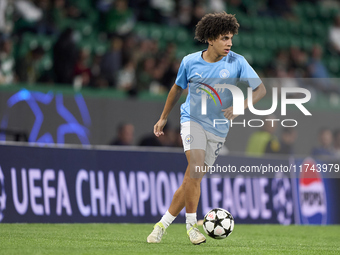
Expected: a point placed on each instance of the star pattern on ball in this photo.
(218, 223)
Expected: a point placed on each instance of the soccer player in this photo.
(202, 139)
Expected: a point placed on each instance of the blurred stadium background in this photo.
(89, 73)
(131, 50)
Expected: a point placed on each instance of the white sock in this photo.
(167, 219)
(191, 219)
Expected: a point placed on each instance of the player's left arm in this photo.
(258, 93)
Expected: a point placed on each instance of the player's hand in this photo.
(228, 113)
(158, 127)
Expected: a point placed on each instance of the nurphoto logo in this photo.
(238, 104)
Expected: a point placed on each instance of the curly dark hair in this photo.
(212, 25)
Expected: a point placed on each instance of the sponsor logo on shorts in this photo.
(189, 139)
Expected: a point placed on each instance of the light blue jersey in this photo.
(205, 79)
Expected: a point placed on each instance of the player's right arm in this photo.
(173, 96)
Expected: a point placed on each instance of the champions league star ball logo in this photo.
(36, 103)
(2, 195)
(282, 200)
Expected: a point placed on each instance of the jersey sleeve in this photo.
(248, 74)
(182, 79)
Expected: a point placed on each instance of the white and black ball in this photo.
(218, 223)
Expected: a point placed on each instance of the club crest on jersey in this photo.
(224, 73)
(188, 139)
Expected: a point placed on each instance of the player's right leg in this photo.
(190, 195)
(156, 234)
(193, 192)
(176, 206)
(187, 194)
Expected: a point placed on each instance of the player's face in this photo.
(222, 44)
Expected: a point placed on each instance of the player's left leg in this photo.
(212, 149)
(194, 177)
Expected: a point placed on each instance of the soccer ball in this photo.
(218, 223)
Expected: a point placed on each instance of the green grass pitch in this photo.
(131, 239)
